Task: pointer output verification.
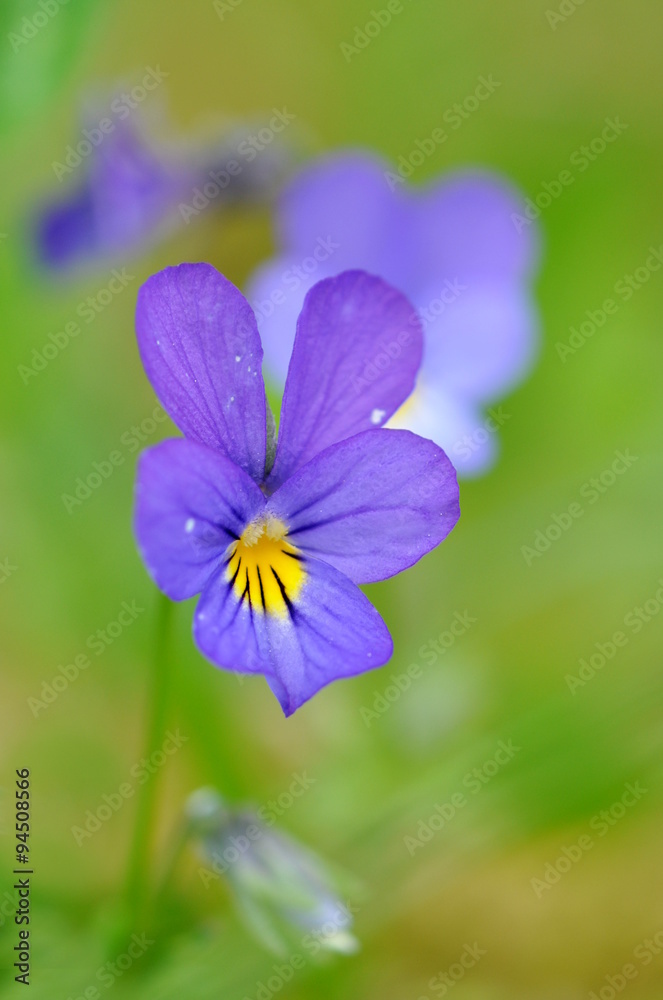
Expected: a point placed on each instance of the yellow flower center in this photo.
(401, 418)
(264, 569)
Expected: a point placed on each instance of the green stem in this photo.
(178, 843)
(136, 894)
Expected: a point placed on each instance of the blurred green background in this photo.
(479, 881)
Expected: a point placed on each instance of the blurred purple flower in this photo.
(276, 537)
(131, 192)
(452, 248)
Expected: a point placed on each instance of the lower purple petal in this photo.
(484, 342)
(330, 631)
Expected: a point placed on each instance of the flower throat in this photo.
(264, 569)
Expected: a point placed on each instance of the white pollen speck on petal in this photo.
(238, 357)
(377, 416)
(190, 525)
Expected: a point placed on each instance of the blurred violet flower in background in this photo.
(126, 192)
(453, 248)
(282, 889)
(276, 537)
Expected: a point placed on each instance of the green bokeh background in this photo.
(502, 680)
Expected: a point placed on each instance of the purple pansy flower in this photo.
(276, 541)
(131, 192)
(452, 248)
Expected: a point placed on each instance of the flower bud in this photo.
(282, 889)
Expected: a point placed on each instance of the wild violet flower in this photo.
(452, 248)
(282, 889)
(123, 192)
(276, 541)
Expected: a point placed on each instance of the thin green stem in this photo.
(178, 842)
(137, 888)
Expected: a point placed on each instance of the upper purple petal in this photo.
(356, 355)
(464, 225)
(277, 297)
(201, 350)
(371, 505)
(332, 631)
(460, 231)
(191, 503)
(345, 202)
(337, 214)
